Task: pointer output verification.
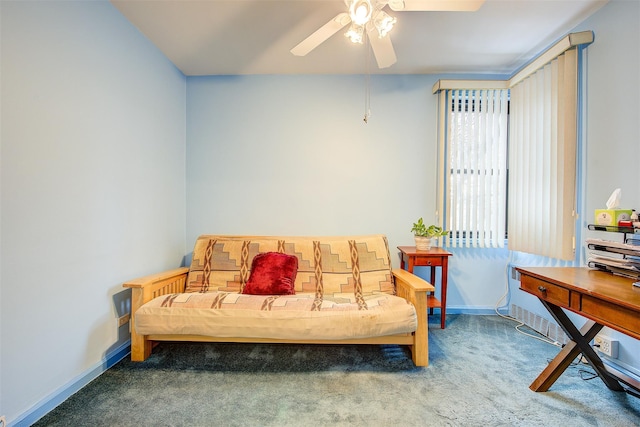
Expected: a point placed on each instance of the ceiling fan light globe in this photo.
(355, 33)
(360, 11)
(384, 23)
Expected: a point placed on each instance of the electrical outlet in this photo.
(123, 319)
(606, 345)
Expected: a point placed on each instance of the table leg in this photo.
(443, 291)
(579, 344)
(432, 278)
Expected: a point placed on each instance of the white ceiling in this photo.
(217, 37)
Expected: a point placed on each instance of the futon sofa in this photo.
(283, 290)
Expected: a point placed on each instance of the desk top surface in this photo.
(599, 284)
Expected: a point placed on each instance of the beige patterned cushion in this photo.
(359, 266)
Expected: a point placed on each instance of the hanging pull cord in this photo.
(367, 81)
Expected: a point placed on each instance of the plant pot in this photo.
(423, 243)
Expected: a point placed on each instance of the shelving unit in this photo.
(611, 228)
(626, 262)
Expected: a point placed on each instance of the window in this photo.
(473, 195)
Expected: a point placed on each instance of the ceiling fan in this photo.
(368, 16)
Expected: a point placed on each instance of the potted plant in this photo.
(424, 234)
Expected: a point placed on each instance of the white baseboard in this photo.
(478, 310)
(50, 402)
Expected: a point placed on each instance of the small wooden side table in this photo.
(434, 257)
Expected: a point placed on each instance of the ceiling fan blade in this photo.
(321, 34)
(382, 48)
(436, 5)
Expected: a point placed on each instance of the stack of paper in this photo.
(618, 258)
(616, 247)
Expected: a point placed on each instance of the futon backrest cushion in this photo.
(351, 265)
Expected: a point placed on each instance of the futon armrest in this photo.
(411, 282)
(146, 288)
(414, 289)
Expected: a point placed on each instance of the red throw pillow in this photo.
(272, 273)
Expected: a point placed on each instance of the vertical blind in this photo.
(472, 199)
(542, 159)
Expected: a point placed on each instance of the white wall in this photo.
(291, 155)
(93, 189)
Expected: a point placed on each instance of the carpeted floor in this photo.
(479, 375)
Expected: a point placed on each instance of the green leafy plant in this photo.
(420, 229)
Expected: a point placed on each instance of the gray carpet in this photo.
(479, 375)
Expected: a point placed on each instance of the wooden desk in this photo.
(434, 257)
(604, 299)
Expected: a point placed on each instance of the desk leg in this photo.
(579, 344)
